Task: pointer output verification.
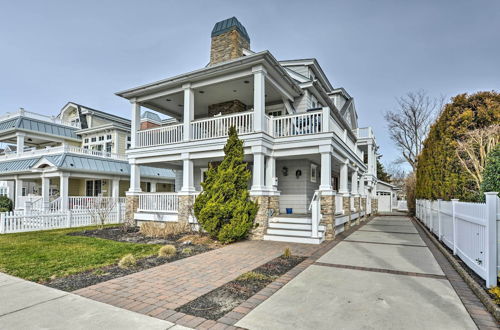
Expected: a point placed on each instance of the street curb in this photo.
(490, 305)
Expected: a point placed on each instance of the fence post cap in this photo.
(491, 193)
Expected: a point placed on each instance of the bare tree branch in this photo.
(409, 124)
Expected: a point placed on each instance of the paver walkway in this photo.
(157, 291)
(27, 305)
(382, 276)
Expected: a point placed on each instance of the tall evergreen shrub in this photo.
(439, 173)
(224, 208)
(491, 174)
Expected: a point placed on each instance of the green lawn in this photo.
(37, 256)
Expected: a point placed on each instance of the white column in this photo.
(271, 173)
(115, 188)
(135, 125)
(362, 185)
(188, 111)
(187, 175)
(135, 179)
(19, 193)
(64, 190)
(45, 192)
(326, 171)
(259, 98)
(258, 171)
(153, 186)
(20, 142)
(370, 159)
(343, 179)
(354, 182)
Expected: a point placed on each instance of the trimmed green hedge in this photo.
(491, 174)
(439, 174)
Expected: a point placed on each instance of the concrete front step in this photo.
(293, 226)
(293, 239)
(302, 220)
(291, 232)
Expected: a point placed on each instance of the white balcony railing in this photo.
(219, 126)
(61, 149)
(300, 124)
(158, 202)
(160, 136)
(36, 116)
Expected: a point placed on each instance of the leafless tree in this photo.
(409, 124)
(473, 150)
(100, 209)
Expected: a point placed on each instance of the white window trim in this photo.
(314, 173)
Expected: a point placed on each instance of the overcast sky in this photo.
(52, 52)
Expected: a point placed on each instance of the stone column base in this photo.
(327, 203)
(357, 206)
(363, 207)
(131, 206)
(185, 210)
(346, 201)
(265, 203)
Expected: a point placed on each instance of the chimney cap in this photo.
(228, 25)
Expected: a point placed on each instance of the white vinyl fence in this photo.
(95, 210)
(470, 230)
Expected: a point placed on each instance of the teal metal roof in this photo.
(30, 124)
(85, 163)
(150, 115)
(20, 165)
(228, 25)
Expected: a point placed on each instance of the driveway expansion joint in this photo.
(383, 243)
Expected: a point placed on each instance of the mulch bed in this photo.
(132, 235)
(224, 299)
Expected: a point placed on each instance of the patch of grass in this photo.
(38, 256)
(187, 251)
(254, 276)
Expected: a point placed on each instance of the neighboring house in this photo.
(81, 152)
(301, 139)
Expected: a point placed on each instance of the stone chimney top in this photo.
(229, 39)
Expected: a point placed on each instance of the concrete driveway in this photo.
(27, 305)
(382, 276)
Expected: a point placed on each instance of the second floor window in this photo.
(108, 137)
(86, 140)
(101, 138)
(109, 147)
(93, 139)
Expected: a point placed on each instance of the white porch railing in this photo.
(469, 229)
(61, 149)
(315, 208)
(299, 124)
(160, 136)
(33, 115)
(158, 202)
(219, 126)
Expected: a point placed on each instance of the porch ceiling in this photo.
(238, 89)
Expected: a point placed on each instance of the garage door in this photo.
(384, 201)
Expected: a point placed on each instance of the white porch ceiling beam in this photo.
(280, 89)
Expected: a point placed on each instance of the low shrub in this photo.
(287, 253)
(5, 204)
(187, 251)
(496, 292)
(167, 251)
(163, 230)
(128, 261)
(254, 276)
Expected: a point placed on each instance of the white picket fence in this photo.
(33, 220)
(470, 230)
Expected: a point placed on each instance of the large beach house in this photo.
(313, 168)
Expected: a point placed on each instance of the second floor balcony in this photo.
(48, 151)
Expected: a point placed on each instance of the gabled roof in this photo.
(314, 65)
(30, 124)
(99, 112)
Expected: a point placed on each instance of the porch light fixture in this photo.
(179, 105)
(298, 173)
(284, 170)
(168, 100)
(246, 82)
(201, 92)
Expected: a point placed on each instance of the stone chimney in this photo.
(229, 39)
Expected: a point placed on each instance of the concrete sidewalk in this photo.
(383, 276)
(27, 305)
